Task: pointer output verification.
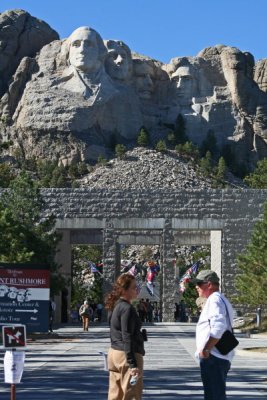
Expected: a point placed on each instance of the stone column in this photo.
(111, 257)
(168, 272)
(63, 259)
(216, 252)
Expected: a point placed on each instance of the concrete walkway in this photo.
(68, 366)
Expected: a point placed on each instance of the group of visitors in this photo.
(148, 311)
(125, 357)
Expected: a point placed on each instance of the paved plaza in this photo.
(68, 366)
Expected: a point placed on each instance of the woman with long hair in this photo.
(125, 357)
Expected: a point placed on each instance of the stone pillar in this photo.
(168, 273)
(216, 252)
(111, 261)
(63, 259)
(111, 257)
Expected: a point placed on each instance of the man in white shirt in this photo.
(216, 317)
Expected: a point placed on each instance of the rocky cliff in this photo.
(71, 99)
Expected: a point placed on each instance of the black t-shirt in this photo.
(125, 333)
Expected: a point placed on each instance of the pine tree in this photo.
(120, 151)
(6, 175)
(171, 139)
(101, 160)
(59, 177)
(258, 178)
(191, 150)
(143, 138)
(221, 169)
(161, 146)
(26, 235)
(251, 281)
(73, 170)
(82, 168)
(205, 164)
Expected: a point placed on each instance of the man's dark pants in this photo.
(214, 373)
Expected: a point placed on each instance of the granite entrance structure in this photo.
(223, 219)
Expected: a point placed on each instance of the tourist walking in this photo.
(215, 318)
(141, 309)
(125, 357)
(149, 311)
(85, 312)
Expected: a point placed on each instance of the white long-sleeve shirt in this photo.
(213, 322)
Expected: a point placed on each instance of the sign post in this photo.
(13, 392)
(14, 341)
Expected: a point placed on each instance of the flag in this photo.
(150, 288)
(194, 268)
(187, 276)
(132, 271)
(93, 268)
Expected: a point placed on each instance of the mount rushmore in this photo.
(70, 99)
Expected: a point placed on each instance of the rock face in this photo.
(21, 35)
(79, 95)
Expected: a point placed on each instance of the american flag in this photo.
(92, 266)
(187, 276)
(150, 288)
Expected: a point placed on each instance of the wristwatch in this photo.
(206, 351)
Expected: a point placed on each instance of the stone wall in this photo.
(232, 212)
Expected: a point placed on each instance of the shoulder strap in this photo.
(227, 312)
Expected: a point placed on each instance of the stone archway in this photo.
(103, 216)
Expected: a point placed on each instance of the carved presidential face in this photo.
(236, 60)
(144, 79)
(3, 290)
(234, 64)
(185, 81)
(21, 295)
(12, 293)
(118, 62)
(28, 295)
(84, 50)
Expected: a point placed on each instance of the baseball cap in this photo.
(206, 275)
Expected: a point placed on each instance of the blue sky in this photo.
(158, 28)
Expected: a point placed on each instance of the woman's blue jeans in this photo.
(214, 372)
